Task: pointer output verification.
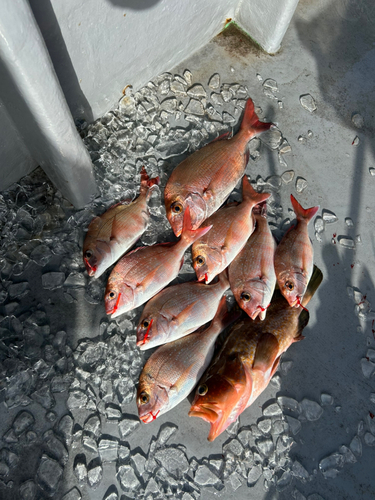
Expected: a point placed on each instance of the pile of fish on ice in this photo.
(233, 243)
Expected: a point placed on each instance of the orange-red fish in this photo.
(206, 178)
(247, 361)
(172, 371)
(294, 256)
(231, 227)
(179, 310)
(141, 274)
(252, 275)
(113, 233)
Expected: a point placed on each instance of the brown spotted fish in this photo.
(206, 178)
(251, 274)
(179, 310)
(172, 371)
(294, 256)
(248, 359)
(143, 273)
(231, 227)
(113, 233)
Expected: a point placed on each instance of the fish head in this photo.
(253, 297)
(152, 330)
(222, 396)
(175, 207)
(152, 398)
(97, 256)
(293, 286)
(118, 298)
(206, 261)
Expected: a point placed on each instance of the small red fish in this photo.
(113, 233)
(294, 256)
(207, 177)
(143, 273)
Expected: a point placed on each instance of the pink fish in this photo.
(143, 273)
(113, 233)
(294, 256)
(231, 227)
(172, 371)
(179, 310)
(206, 178)
(252, 275)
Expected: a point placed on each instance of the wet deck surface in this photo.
(89, 373)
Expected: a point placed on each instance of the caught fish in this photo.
(248, 359)
(143, 273)
(294, 256)
(178, 311)
(252, 275)
(206, 178)
(231, 227)
(113, 233)
(172, 371)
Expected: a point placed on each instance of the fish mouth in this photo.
(113, 311)
(211, 413)
(149, 417)
(91, 270)
(145, 339)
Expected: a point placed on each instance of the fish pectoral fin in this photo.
(208, 195)
(143, 285)
(115, 230)
(266, 352)
(185, 313)
(230, 237)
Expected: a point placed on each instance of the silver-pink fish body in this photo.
(179, 310)
(173, 370)
(251, 274)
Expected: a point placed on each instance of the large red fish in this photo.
(179, 310)
(113, 233)
(231, 227)
(294, 256)
(141, 274)
(252, 275)
(172, 371)
(247, 361)
(206, 178)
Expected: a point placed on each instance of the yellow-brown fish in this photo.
(294, 256)
(113, 233)
(206, 178)
(179, 310)
(231, 227)
(252, 275)
(172, 371)
(247, 361)
(143, 273)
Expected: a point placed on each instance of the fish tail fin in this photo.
(313, 285)
(249, 193)
(261, 209)
(303, 213)
(146, 182)
(250, 122)
(188, 235)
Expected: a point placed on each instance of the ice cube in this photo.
(301, 184)
(329, 217)
(356, 141)
(254, 474)
(265, 425)
(195, 107)
(173, 460)
(369, 439)
(272, 410)
(28, 490)
(284, 481)
(49, 475)
(205, 477)
(311, 410)
(128, 479)
(287, 403)
(128, 425)
(294, 424)
(55, 447)
(299, 471)
(94, 475)
(23, 421)
(331, 465)
(319, 224)
(73, 494)
(53, 280)
(326, 399)
(214, 81)
(265, 446)
(197, 91)
(307, 102)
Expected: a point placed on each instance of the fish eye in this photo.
(245, 296)
(289, 285)
(145, 323)
(112, 294)
(88, 254)
(202, 390)
(144, 398)
(200, 260)
(176, 207)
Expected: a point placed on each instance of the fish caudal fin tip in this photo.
(250, 122)
(303, 213)
(249, 193)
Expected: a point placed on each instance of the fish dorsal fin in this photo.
(266, 352)
(222, 137)
(313, 285)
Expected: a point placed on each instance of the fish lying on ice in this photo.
(179, 310)
(294, 256)
(251, 274)
(248, 359)
(143, 273)
(113, 233)
(172, 371)
(231, 227)
(206, 178)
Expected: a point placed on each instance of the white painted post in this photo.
(36, 104)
